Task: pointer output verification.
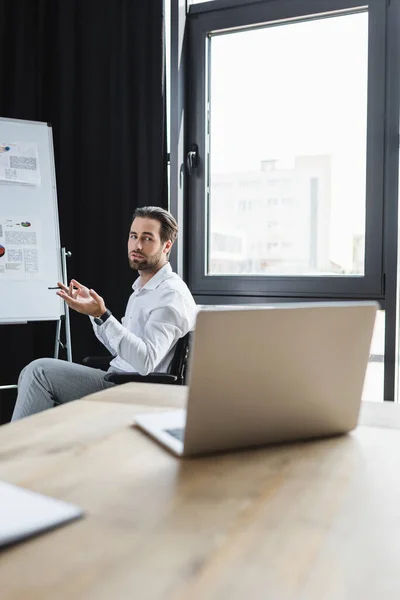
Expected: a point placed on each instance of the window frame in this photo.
(219, 17)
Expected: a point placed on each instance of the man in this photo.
(160, 311)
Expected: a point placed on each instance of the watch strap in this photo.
(103, 318)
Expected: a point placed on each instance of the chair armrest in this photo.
(119, 378)
(97, 362)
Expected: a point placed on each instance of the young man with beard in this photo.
(160, 311)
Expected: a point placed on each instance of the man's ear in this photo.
(168, 246)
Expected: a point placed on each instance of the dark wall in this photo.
(94, 70)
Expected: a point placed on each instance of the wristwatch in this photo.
(103, 318)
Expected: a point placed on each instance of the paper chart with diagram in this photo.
(19, 163)
(20, 249)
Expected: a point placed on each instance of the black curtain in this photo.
(94, 69)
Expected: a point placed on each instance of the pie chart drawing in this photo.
(25, 224)
(2, 251)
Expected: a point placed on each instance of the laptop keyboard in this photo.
(177, 432)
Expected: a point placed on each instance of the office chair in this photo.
(176, 373)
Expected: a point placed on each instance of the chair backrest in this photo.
(179, 361)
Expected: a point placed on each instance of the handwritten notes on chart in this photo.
(19, 163)
(20, 249)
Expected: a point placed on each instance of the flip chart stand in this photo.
(64, 318)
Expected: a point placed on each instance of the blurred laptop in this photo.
(259, 376)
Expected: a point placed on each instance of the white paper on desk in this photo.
(24, 513)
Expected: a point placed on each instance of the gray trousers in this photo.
(48, 382)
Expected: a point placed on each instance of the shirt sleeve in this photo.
(166, 324)
(99, 333)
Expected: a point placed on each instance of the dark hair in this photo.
(169, 226)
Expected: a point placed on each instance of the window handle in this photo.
(192, 158)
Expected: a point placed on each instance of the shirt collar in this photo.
(155, 281)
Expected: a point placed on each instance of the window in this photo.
(297, 137)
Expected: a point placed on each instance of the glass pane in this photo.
(287, 163)
(374, 379)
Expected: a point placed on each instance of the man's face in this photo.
(146, 252)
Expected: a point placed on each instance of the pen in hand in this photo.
(57, 287)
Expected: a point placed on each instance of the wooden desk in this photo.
(313, 521)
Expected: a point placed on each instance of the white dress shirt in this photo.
(157, 315)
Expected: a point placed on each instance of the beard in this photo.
(146, 263)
